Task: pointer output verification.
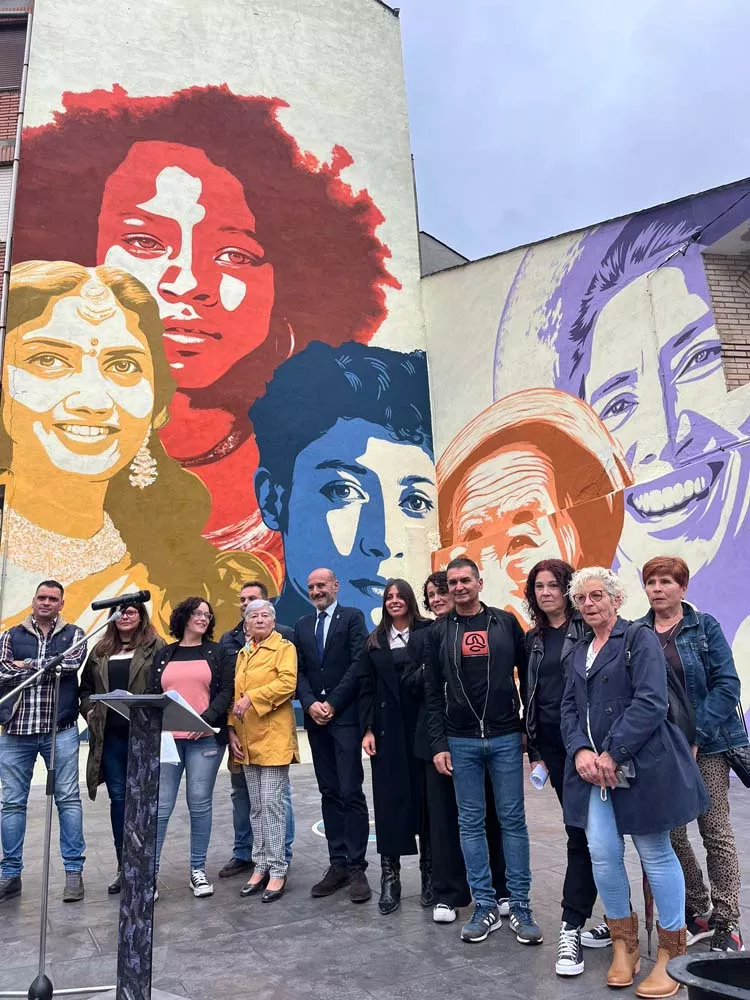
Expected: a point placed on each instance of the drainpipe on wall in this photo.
(9, 238)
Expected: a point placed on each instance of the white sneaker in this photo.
(443, 914)
(200, 884)
(503, 905)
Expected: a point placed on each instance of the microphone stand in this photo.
(41, 988)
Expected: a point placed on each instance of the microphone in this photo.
(137, 597)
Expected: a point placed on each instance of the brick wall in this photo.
(729, 284)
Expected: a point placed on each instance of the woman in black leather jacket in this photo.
(556, 628)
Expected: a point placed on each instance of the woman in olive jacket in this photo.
(121, 660)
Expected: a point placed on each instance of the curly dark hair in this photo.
(563, 573)
(181, 615)
(330, 269)
(439, 580)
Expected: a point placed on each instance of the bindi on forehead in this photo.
(69, 325)
(177, 197)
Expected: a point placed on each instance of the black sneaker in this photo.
(199, 883)
(116, 884)
(334, 878)
(569, 952)
(727, 937)
(597, 937)
(484, 920)
(10, 887)
(236, 866)
(699, 927)
(523, 925)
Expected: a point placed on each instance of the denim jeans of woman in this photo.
(607, 848)
(200, 761)
(115, 772)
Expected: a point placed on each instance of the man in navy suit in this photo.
(329, 644)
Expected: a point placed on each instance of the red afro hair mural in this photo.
(329, 266)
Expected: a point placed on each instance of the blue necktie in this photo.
(319, 634)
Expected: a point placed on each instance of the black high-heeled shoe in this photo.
(253, 888)
(271, 895)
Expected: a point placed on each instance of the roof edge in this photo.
(591, 225)
(394, 10)
(423, 232)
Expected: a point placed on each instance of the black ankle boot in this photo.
(427, 896)
(116, 884)
(390, 883)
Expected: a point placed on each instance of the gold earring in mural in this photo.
(143, 468)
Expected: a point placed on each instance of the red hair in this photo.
(329, 266)
(666, 566)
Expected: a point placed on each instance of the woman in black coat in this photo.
(556, 628)
(388, 719)
(629, 771)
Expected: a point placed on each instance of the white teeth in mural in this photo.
(183, 338)
(670, 497)
(84, 431)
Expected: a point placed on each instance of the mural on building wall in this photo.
(180, 260)
(534, 476)
(351, 486)
(626, 330)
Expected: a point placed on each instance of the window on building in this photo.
(12, 44)
(729, 284)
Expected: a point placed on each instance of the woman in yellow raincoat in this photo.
(263, 738)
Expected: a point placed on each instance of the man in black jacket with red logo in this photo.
(475, 726)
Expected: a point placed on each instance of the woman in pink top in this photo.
(202, 672)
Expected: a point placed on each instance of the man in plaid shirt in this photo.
(27, 731)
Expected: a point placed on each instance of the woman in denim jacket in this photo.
(700, 657)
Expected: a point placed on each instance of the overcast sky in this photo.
(533, 117)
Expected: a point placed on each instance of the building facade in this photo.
(591, 402)
(215, 366)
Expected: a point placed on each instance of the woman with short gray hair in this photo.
(629, 771)
(263, 738)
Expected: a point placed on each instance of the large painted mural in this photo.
(214, 369)
(610, 436)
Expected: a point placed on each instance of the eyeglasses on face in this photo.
(202, 616)
(129, 613)
(595, 596)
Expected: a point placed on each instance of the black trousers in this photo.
(337, 758)
(448, 871)
(579, 889)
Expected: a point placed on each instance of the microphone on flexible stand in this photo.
(137, 597)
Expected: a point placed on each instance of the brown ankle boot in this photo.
(658, 983)
(626, 957)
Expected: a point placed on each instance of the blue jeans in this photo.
(17, 757)
(200, 760)
(243, 831)
(115, 772)
(607, 849)
(502, 758)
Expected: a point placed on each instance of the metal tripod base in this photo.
(42, 989)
